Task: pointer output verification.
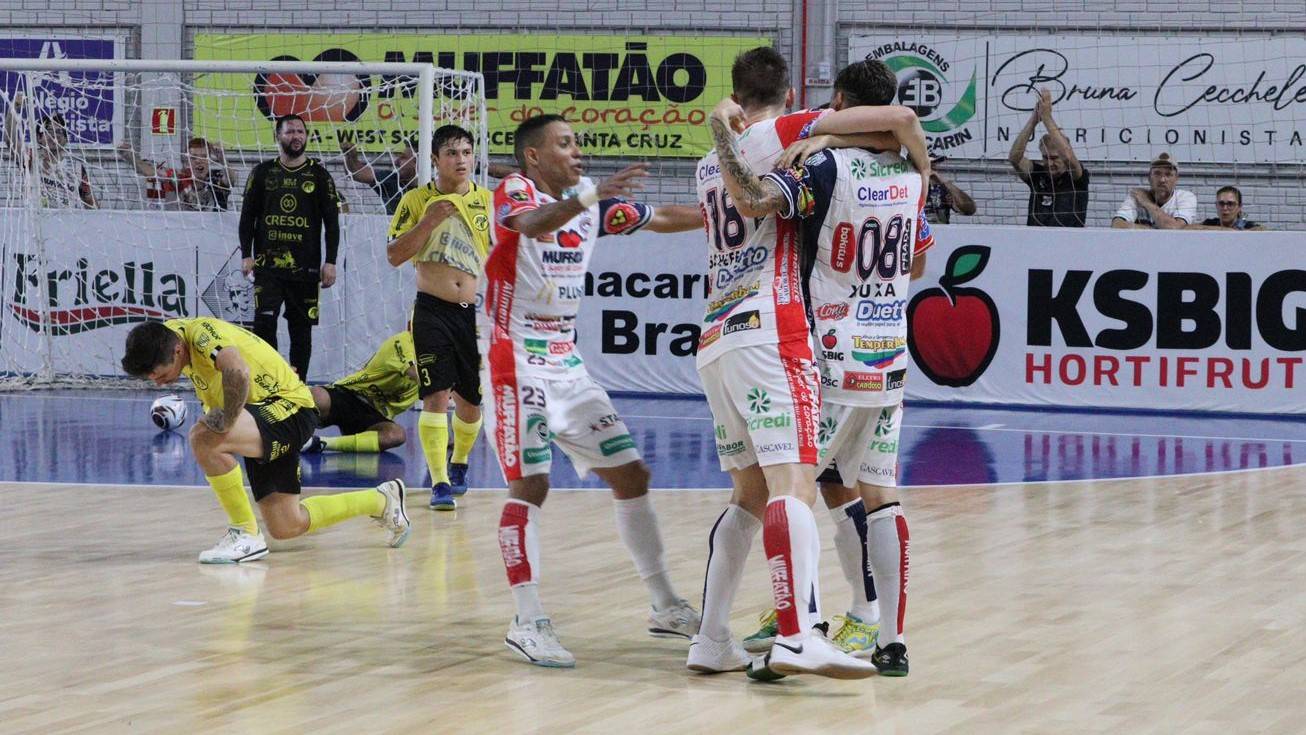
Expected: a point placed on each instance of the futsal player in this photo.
(256, 408)
(290, 205)
(365, 404)
(858, 288)
(759, 373)
(443, 228)
(547, 221)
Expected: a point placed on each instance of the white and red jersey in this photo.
(754, 284)
(534, 285)
(863, 224)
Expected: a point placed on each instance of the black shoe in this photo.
(314, 445)
(823, 628)
(891, 660)
(760, 670)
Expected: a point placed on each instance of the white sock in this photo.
(792, 545)
(727, 550)
(637, 525)
(890, 551)
(850, 544)
(519, 545)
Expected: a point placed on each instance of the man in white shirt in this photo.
(1160, 207)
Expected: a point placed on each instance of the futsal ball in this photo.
(168, 412)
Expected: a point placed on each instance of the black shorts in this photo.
(300, 297)
(350, 411)
(284, 427)
(444, 335)
(830, 475)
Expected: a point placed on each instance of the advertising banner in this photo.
(90, 104)
(1116, 97)
(629, 95)
(1003, 315)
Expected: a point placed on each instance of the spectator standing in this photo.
(390, 184)
(1161, 206)
(1058, 185)
(64, 183)
(290, 202)
(201, 184)
(945, 196)
(1229, 208)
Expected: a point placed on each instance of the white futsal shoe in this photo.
(235, 547)
(815, 654)
(680, 620)
(394, 518)
(535, 641)
(707, 656)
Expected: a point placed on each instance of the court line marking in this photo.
(131, 486)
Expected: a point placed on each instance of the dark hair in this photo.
(281, 122)
(760, 76)
(870, 82)
(197, 143)
(1233, 189)
(149, 345)
(529, 133)
(446, 134)
(47, 121)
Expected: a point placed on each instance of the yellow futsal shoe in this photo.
(854, 637)
(760, 642)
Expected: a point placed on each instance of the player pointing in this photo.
(547, 221)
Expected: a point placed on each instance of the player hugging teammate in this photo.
(827, 230)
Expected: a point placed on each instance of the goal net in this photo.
(121, 184)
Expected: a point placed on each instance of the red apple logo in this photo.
(829, 340)
(954, 330)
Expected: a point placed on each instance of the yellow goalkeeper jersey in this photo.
(462, 242)
(384, 381)
(270, 376)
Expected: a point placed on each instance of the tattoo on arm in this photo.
(754, 197)
(235, 389)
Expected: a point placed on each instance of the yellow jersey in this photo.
(270, 376)
(462, 242)
(384, 381)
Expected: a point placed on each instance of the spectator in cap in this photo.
(1161, 206)
(1229, 207)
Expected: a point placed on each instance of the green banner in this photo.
(640, 96)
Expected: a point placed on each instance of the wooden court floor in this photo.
(1171, 605)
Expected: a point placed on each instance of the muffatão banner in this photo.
(644, 96)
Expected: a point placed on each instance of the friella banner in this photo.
(1117, 97)
(645, 96)
(89, 102)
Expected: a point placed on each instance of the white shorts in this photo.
(525, 414)
(765, 400)
(860, 444)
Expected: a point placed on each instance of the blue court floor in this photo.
(105, 437)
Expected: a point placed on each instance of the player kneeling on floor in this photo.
(256, 408)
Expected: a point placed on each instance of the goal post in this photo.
(121, 185)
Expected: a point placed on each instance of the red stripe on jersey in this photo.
(786, 284)
(779, 560)
(922, 243)
(791, 127)
(904, 568)
(513, 196)
(512, 543)
(501, 279)
(804, 389)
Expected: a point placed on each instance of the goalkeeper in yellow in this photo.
(365, 403)
(257, 408)
(444, 229)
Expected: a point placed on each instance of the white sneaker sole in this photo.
(546, 663)
(251, 556)
(829, 669)
(759, 646)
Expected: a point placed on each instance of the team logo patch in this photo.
(519, 196)
(309, 187)
(481, 222)
(620, 218)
